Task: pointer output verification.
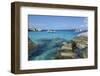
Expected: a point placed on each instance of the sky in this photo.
(45, 22)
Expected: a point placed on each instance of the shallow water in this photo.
(48, 43)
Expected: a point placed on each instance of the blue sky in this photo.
(56, 22)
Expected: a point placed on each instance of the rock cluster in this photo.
(48, 49)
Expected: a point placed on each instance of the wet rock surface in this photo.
(48, 49)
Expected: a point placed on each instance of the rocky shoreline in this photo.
(77, 48)
(59, 48)
(83, 34)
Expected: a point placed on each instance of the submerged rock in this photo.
(48, 49)
(31, 44)
(31, 48)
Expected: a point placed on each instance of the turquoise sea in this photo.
(48, 43)
(67, 35)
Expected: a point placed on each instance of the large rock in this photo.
(66, 51)
(77, 48)
(81, 39)
(82, 45)
(32, 47)
(85, 34)
(31, 44)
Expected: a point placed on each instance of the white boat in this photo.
(51, 31)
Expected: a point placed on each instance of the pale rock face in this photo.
(83, 34)
(81, 45)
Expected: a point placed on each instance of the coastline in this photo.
(57, 48)
(83, 34)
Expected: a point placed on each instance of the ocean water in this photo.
(67, 35)
(48, 43)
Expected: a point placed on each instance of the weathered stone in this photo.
(31, 45)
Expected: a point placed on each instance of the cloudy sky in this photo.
(56, 22)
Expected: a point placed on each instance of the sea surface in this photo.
(48, 43)
(67, 35)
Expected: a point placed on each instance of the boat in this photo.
(51, 31)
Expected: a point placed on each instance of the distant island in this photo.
(34, 29)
